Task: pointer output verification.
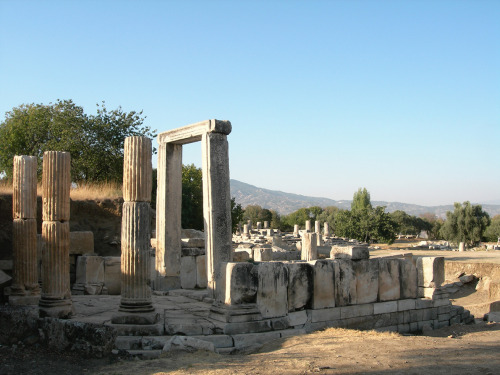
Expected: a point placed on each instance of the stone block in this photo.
(193, 242)
(219, 341)
(297, 318)
(201, 271)
(388, 280)
(90, 270)
(354, 311)
(441, 302)
(323, 284)
(188, 272)
(262, 254)
(272, 295)
(385, 307)
(240, 256)
(325, 315)
(81, 243)
(406, 304)
(366, 273)
(251, 339)
(112, 275)
(345, 283)
(408, 279)
(430, 271)
(350, 252)
(300, 285)
(192, 251)
(238, 284)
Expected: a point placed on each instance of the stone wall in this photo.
(381, 293)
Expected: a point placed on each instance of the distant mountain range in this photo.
(285, 203)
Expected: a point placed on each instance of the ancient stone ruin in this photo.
(206, 290)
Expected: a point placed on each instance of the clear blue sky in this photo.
(400, 97)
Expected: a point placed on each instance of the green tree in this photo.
(433, 225)
(237, 213)
(365, 223)
(300, 216)
(192, 198)
(328, 216)
(466, 223)
(275, 220)
(94, 141)
(492, 232)
(256, 213)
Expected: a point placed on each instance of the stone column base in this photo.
(55, 308)
(147, 318)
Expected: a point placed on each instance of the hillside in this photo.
(285, 203)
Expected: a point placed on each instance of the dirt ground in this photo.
(470, 349)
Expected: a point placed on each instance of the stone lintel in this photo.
(193, 133)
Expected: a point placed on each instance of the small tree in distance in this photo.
(466, 223)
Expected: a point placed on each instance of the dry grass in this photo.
(5, 187)
(99, 191)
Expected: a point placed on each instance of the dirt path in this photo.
(472, 349)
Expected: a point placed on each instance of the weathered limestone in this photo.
(188, 272)
(239, 284)
(25, 289)
(296, 230)
(137, 170)
(309, 246)
(408, 279)
(308, 225)
(366, 274)
(56, 181)
(345, 283)
(136, 303)
(300, 285)
(350, 252)
(388, 280)
(323, 284)
(24, 187)
(56, 184)
(216, 201)
(317, 227)
(168, 211)
(262, 253)
(326, 229)
(89, 275)
(272, 296)
(259, 225)
(266, 224)
(430, 271)
(216, 197)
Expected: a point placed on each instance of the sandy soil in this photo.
(471, 349)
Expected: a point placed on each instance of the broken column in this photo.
(326, 229)
(266, 224)
(136, 305)
(317, 227)
(259, 225)
(308, 226)
(25, 289)
(56, 301)
(296, 230)
(309, 246)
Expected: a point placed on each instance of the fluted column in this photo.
(136, 234)
(56, 183)
(309, 246)
(25, 289)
